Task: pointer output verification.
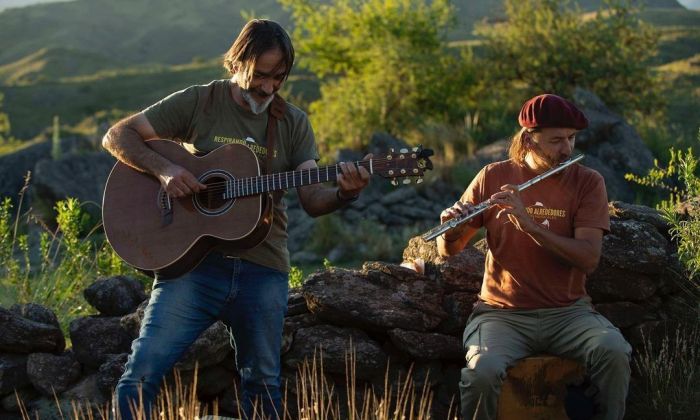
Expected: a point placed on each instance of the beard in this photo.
(256, 107)
(549, 161)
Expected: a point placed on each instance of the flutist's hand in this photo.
(511, 205)
(459, 209)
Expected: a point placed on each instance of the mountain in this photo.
(129, 31)
(6, 4)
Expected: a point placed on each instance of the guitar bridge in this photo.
(165, 204)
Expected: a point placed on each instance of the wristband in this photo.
(345, 200)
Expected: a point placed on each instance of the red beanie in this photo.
(551, 111)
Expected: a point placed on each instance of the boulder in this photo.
(622, 314)
(22, 335)
(78, 175)
(52, 374)
(332, 344)
(13, 372)
(36, 312)
(427, 346)
(110, 371)
(95, 337)
(381, 297)
(115, 296)
(210, 348)
(131, 323)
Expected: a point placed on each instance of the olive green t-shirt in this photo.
(519, 273)
(205, 117)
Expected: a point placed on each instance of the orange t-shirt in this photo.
(519, 273)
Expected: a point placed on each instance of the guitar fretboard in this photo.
(284, 180)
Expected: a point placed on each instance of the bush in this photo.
(52, 267)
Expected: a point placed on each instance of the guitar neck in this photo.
(284, 180)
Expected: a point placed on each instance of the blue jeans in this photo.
(249, 298)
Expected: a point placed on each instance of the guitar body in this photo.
(169, 237)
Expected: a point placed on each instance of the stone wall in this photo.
(394, 318)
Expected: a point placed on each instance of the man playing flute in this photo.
(542, 243)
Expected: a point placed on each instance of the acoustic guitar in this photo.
(158, 234)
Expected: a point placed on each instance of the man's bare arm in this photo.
(318, 200)
(126, 140)
(454, 240)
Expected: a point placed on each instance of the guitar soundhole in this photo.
(213, 201)
(213, 197)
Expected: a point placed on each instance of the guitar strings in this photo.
(249, 184)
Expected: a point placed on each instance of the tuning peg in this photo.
(407, 181)
(419, 180)
(394, 182)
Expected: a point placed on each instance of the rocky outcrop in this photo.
(394, 319)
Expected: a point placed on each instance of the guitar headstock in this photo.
(403, 164)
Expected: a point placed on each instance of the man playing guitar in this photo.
(247, 289)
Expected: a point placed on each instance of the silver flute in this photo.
(482, 207)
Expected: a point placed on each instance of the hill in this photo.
(137, 31)
(128, 31)
(76, 58)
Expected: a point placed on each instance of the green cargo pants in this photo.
(495, 339)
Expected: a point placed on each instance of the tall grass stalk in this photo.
(668, 378)
(317, 399)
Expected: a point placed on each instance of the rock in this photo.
(458, 306)
(14, 166)
(622, 314)
(398, 196)
(82, 176)
(463, 271)
(296, 304)
(427, 346)
(51, 374)
(110, 371)
(86, 391)
(633, 257)
(611, 284)
(94, 338)
(292, 324)
(13, 372)
(333, 343)
(131, 323)
(115, 296)
(36, 312)
(9, 403)
(210, 348)
(625, 211)
(418, 248)
(21, 335)
(383, 296)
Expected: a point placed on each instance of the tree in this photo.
(384, 65)
(550, 46)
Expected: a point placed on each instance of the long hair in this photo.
(256, 38)
(518, 148)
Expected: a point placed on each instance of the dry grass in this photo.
(317, 398)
